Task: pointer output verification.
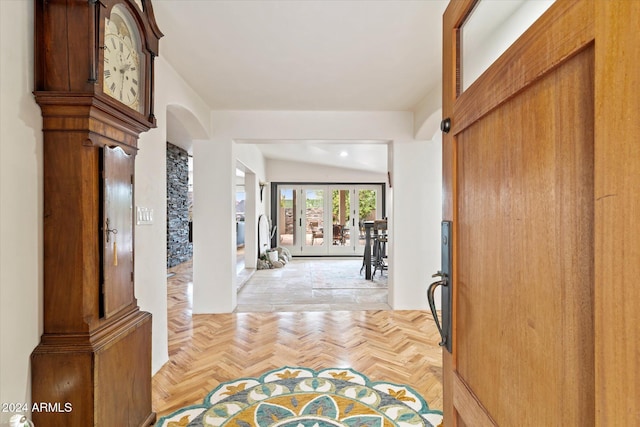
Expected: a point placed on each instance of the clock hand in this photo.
(121, 81)
(123, 70)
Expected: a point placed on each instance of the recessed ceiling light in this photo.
(343, 154)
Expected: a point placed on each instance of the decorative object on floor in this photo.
(274, 258)
(302, 397)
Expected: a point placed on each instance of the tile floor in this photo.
(313, 284)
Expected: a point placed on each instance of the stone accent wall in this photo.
(179, 249)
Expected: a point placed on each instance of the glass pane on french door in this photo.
(314, 211)
(287, 217)
(368, 208)
(341, 214)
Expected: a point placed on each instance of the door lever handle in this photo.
(432, 304)
(440, 274)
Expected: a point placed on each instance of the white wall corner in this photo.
(417, 213)
(427, 114)
(214, 231)
(179, 111)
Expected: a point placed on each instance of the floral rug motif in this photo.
(302, 397)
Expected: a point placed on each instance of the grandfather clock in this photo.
(94, 84)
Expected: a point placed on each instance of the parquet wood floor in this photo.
(205, 350)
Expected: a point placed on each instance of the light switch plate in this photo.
(144, 216)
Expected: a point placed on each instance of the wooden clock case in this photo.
(93, 364)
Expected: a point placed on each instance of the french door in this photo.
(326, 219)
(540, 183)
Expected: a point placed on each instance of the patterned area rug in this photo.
(302, 397)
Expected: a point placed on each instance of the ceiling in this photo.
(360, 155)
(345, 55)
(304, 55)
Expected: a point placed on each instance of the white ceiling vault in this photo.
(327, 55)
(362, 155)
(305, 55)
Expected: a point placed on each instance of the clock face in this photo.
(123, 77)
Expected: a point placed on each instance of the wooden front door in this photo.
(519, 187)
(541, 179)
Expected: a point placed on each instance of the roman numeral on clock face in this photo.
(112, 87)
(107, 74)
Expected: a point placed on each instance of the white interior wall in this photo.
(151, 192)
(251, 158)
(428, 114)
(214, 237)
(288, 171)
(214, 232)
(415, 223)
(313, 125)
(21, 207)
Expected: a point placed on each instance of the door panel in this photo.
(518, 185)
(117, 292)
(526, 250)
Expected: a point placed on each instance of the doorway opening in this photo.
(242, 272)
(179, 202)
